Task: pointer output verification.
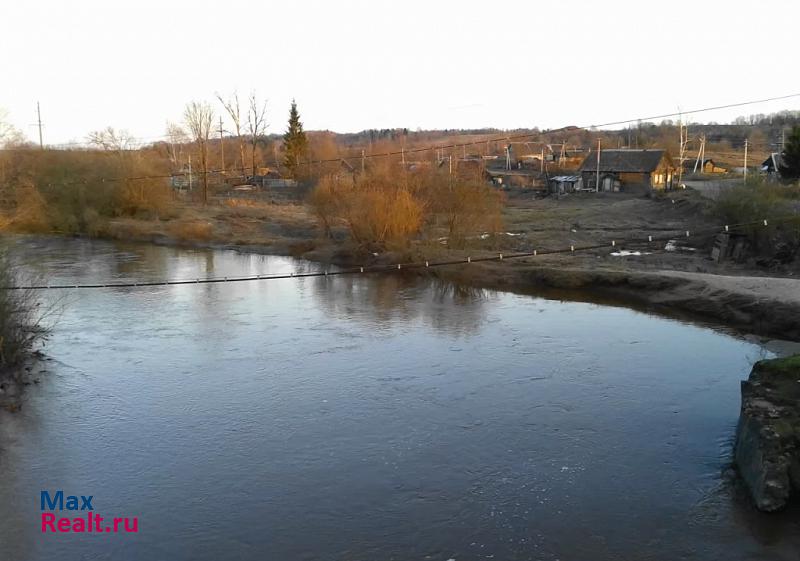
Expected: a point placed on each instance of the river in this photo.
(371, 418)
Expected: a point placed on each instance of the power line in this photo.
(507, 138)
(512, 137)
(406, 266)
(568, 128)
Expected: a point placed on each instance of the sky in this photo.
(353, 65)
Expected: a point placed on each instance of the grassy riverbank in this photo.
(752, 297)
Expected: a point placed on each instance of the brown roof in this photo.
(624, 160)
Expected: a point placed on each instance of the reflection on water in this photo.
(375, 417)
(404, 299)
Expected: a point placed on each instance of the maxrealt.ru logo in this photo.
(88, 522)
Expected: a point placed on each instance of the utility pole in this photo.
(190, 172)
(39, 118)
(542, 160)
(221, 146)
(701, 155)
(597, 179)
(684, 138)
(362, 161)
(745, 160)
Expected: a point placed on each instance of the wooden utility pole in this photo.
(597, 179)
(542, 159)
(221, 146)
(684, 134)
(39, 118)
(362, 161)
(745, 159)
(701, 156)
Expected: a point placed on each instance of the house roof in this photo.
(690, 163)
(624, 160)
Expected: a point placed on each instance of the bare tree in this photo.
(233, 109)
(8, 132)
(198, 116)
(111, 139)
(176, 137)
(256, 124)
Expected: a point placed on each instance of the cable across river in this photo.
(367, 269)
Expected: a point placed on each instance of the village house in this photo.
(708, 166)
(628, 170)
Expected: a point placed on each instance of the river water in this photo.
(371, 418)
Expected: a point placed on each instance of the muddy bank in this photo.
(754, 305)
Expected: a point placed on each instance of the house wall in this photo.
(634, 178)
(664, 176)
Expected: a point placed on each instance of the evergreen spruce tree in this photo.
(790, 158)
(295, 142)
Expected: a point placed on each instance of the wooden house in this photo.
(708, 166)
(628, 170)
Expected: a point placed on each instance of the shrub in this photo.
(758, 200)
(468, 207)
(77, 191)
(377, 210)
(20, 319)
(388, 209)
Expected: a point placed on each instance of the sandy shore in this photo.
(758, 288)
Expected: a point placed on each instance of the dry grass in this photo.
(191, 230)
(31, 214)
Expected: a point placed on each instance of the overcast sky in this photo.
(355, 65)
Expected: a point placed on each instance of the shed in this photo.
(561, 184)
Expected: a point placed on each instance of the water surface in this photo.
(371, 418)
